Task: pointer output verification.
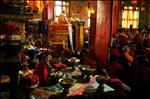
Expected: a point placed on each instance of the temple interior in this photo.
(74, 49)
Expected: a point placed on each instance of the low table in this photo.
(77, 90)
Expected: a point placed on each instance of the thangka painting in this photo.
(79, 9)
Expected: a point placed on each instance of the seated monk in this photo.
(126, 51)
(126, 60)
(62, 19)
(41, 70)
(146, 49)
(87, 60)
(114, 68)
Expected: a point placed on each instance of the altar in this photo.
(67, 35)
(58, 36)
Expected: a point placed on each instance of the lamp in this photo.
(134, 2)
(122, 6)
(142, 6)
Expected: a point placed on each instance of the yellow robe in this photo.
(129, 57)
(62, 19)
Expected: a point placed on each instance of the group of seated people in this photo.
(36, 67)
(130, 60)
(34, 59)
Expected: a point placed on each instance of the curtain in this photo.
(37, 3)
(70, 36)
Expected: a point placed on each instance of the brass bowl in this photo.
(81, 67)
(74, 61)
(54, 80)
(89, 89)
(88, 71)
(101, 79)
(66, 82)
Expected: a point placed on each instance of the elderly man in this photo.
(62, 19)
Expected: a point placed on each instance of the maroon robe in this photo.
(42, 72)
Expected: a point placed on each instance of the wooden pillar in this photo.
(50, 9)
(45, 11)
(115, 15)
(92, 24)
(44, 14)
(103, 31)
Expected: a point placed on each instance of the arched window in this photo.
(130, 16)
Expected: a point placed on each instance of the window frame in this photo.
(128, 19)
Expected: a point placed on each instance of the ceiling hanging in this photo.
(142, 5)
(134, 2)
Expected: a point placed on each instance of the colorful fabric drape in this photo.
(31, 4)
(81, 35)
(36, 3)
(40, 5)
(70, 36)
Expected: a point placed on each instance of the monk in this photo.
(62, 19)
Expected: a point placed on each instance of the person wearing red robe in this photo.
(41, 70)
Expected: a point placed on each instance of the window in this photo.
(59, 6)
(130, 16)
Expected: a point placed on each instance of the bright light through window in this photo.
(58, 2)
(130, 16)
(58, 10)
(59, 6)
(64, 8)
(64, 3)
